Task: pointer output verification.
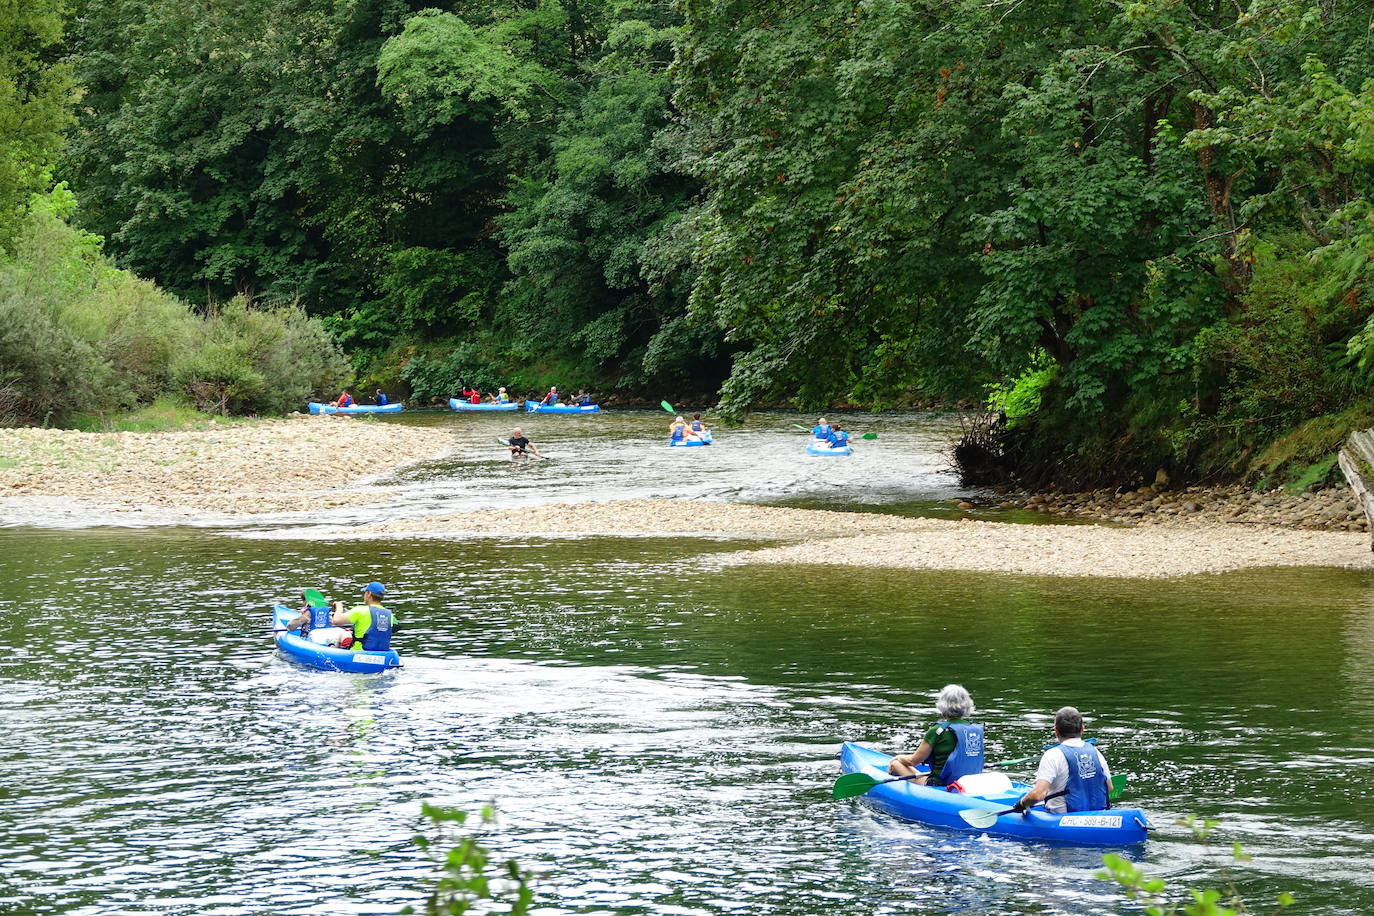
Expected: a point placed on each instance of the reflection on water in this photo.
(658, 739)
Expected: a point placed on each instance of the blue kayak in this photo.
(300, 649)
(467, 405)
(821, 447)
(316, 407)
(535, 407)
(939, 808)
(690, 443)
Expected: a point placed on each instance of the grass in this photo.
(163, 415)
(1306, 455)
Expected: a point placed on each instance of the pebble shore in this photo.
(311, 464)
(297, 464)
(868, 540)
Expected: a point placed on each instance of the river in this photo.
(657, 733)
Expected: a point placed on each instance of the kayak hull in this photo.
(318, 408)
(465, 405)
(816, 447)
(535, 407)
(299, 649)
(690, 443)
(938, 808)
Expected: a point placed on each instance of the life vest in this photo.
(345, 400)
(550, 398)
(967, 756)
(382, 400)
(319, 617)
(476, 398)
(585, 400)
(678, 433)
(1087, 786)
(378, 635)
(696, 426)
(821, 432)
(840, 439)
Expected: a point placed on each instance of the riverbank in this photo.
(819, 537)
(1332, 509)
(297, 464)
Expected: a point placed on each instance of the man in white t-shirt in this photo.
(1072, 766)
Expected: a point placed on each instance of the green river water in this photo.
(657, 731)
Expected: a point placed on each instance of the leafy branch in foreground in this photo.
(468, 875)
(1152, 891)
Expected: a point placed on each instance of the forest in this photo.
(1140, 232)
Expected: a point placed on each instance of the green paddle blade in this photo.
(852, 784)
(805, 429)
(1118, 786)
(977, 817)
(666, 406)
(505, 442)
(314, 598)
(869, 436)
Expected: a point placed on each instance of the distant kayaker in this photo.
(821, 430)
(368, 626)
(345, 400)
(678, 430)
(519, 445)
(382, 399)
(551, 398)
(953, 746)
(698, 426)
(838, 437)
(1074, 765)
(582, 399)
(499, 397)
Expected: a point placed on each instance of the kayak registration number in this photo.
(1091, 820)
(379, 660)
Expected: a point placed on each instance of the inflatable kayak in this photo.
(534, 407)
(690, 442)
(357, 408)
(821, 447)
(940, 808)
(467, 405)
(298, 648)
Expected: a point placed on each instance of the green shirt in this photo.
(943, 742)
(360, 618)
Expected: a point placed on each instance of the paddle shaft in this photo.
(1045, 799)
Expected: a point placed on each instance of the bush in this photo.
(81, 338)
(260, 360)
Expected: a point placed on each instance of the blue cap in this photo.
(375, 588)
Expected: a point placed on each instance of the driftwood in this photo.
(1357, 463)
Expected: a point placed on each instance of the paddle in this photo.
(807, 429)
(666, 406)
(982, 819)
(852, 784)
(1118, 786)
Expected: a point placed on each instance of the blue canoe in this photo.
(297, 648)
(467, 405)
(316, 407)
(690, 443)
(820, 447)
(939, 808)
(534, 407)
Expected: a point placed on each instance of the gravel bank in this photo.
(861, 539)
(292, 465)
(1319, 510)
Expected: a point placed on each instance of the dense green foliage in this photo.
(81, 338)
(1147, 223)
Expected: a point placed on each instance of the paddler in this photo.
(369, 624)
(953, 746)
(1072, 765)
(519, 445)
(821, 430)
(551, 398)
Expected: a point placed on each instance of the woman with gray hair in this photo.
(953, 746)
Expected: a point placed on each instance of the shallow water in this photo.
(658, 734)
